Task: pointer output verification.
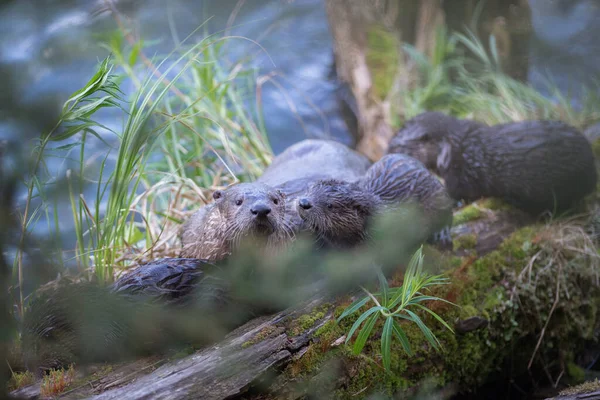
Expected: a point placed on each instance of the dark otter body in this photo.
(537, 166)
(165, 303)
(315, 159)
(339, 212)
(307, 161)
(243, 210)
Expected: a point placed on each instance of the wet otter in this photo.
(315, 159)
(307, 161)
(265, 208)
(242, 210)
(537, 166)
(339, 212)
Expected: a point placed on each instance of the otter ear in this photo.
(445, 156)
(361, 209)
(217, 194)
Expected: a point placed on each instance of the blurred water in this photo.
(53, 50)
(48, 49)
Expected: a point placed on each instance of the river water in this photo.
(48, 49)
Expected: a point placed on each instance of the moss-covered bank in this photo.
(541, 279)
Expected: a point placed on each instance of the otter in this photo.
(315, 158)
(307, 161)
(243, 210)
(265, 207)
(339, 212)
(537, 166)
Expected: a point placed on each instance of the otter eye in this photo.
(239, 202)
(329, 205)
(275, 201)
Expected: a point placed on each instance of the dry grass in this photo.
(567, 254)
(57, 381)
(161, 223)
(585, 387)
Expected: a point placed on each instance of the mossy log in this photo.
(512, 296)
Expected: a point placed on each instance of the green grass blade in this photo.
(402, 337)
(386, 342)
(436, 316)
(426, 331)
(384, 288)
(364, 334)
(360, 320)
(353, 307)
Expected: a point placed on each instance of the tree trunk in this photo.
(413, 22)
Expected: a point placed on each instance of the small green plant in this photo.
(20, 379)
(393, 304)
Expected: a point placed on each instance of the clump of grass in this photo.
(210, 138)
(585, 387)
(75, 118)
(464, 79)
(57, 381)
(20, 379)
(394, 304)
(183, 136)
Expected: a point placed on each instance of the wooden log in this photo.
(252, 355)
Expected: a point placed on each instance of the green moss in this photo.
(467, 214)
(464, 242)
(329, 329)
(495, 204)
(19, 380)
(260, 336)
(184, 352)
(477, 210)
(596, 148)
(484, 288)
(576, 373)
(307, 321)
(382, 59)
(468, 311)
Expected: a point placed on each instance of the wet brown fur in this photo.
(307, 161)
(341, 211)
(215, 230)
(537, 166)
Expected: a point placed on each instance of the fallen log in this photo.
(526, 287)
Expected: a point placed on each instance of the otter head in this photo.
(251, 209)
(425, 138)
(337, 211)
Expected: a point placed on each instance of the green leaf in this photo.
(426, 331)
(360, 319)
(384, 287)
(135, 51)
(436, 316)
(353, 307)
(364, 334)
(419, 299)
(402, 337)
(65, 147)
(386, 342)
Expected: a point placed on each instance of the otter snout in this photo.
(260, 210)
(305, 203)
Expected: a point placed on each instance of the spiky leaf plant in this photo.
(393, 304)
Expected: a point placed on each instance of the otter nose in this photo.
(260, 210)
(304, 203)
